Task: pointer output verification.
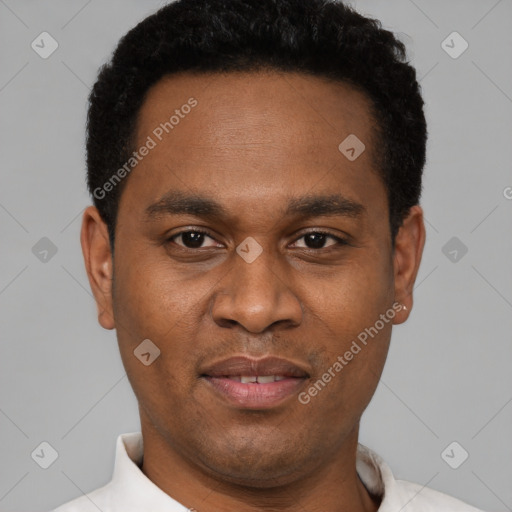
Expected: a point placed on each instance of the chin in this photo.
(257, 477)
(250, 464)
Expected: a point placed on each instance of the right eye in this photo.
(193, 239)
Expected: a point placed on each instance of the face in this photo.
(246, 231)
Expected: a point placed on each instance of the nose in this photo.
(256, 296)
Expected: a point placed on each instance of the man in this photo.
(256, 231)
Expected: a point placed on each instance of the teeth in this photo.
(261, 379)
(266, 379)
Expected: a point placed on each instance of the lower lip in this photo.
(254, 395)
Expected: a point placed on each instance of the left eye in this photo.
(317, 240)
(193, 239)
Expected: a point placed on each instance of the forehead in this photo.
(266, 103)
(267, 130)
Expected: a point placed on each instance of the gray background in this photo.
(448, 374)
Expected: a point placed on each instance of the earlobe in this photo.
(98, 263)
(409, 243)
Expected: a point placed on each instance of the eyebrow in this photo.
(176, 203)
(325, 205)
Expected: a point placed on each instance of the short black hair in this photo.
(324, 38)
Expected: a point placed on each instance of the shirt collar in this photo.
(130, 488)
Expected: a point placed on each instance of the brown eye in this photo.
(318, 240)
(193, 239)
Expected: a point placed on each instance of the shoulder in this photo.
(401, 495)
(91, 502)
(417, 498)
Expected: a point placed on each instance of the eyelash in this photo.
(340, 241)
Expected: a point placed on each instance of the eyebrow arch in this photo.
(176, 203)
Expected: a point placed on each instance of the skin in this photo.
(254, 141)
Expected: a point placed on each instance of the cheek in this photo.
(351, 368)
(347, 315)
(153, 300)
(353, 296)
(150, 303)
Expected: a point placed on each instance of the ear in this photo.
(98, 263)
(409, 243)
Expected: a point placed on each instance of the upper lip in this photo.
(246, 366)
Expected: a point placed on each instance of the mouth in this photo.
(255, 383)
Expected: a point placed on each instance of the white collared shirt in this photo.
(130, 490)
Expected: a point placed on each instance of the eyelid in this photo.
(191, 230)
